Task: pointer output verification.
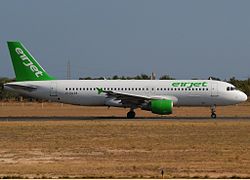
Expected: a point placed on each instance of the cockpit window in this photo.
(231, 88)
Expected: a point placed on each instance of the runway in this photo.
(117, 118)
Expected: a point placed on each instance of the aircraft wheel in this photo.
(213, 116)
(213, 110)
(131, 115)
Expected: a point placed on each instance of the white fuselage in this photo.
(182, 92)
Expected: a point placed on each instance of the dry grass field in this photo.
(77, 142)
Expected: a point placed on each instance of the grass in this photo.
(125, 149)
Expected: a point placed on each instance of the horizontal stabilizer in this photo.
(20, 87)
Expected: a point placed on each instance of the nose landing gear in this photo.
(213, 110)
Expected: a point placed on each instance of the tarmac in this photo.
(117, 118)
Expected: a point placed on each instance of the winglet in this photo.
(100, 90)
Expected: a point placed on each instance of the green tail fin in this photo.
(25, 66)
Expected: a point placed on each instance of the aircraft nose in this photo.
(242, 96)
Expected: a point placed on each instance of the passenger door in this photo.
(53, 89)
(214, 89)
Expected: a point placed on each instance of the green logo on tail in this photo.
(27, 62)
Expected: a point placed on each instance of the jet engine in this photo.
(159, 106)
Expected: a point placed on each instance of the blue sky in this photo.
(183, 38)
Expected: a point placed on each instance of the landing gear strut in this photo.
(213, 110)
(131, 114)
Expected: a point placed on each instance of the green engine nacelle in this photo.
(161, 106)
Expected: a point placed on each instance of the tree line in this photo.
(243, 85)
(137, 77)
(5, 95)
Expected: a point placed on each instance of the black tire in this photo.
(213, 116)
(131, 115)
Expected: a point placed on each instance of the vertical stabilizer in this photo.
(25, 65)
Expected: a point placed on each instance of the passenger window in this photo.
(73, 89)
(66, 89)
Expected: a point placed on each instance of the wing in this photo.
(128, 99)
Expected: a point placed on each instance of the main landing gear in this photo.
(213, 110)
(131, 114)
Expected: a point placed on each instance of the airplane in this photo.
(157, 96)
